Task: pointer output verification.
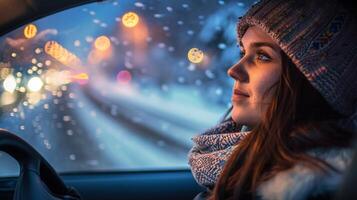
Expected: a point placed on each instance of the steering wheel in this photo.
(37, 180)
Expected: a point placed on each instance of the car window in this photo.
(118, 85)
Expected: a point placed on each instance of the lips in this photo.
(240, 93)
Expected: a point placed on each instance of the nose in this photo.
(238, 72)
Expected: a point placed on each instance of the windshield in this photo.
(118, 85)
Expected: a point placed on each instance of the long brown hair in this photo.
(297, 120)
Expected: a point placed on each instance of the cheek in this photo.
(262, 84)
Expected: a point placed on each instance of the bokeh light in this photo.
(7, 98)
(124, 77)
(4, 72)
(35, 84)
(102, 43)
(30, 31)
(130, 19)
(62, 55)
(81, 76)
(10, 84)
(195, 55)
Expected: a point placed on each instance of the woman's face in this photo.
(259, 68)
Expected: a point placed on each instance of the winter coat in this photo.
(301, 182)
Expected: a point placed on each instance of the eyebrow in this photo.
(260, 44)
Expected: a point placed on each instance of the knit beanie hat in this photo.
(320, 37)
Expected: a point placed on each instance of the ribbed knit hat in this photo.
(320, 37)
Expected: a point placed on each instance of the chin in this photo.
(243, 117)
(238, 116)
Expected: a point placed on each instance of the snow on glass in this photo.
(124, 86)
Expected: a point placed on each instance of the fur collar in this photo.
(301, 182)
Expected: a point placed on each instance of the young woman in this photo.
(296, 91)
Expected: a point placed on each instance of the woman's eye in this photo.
(263, 57)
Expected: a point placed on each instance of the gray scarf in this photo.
(211, 150)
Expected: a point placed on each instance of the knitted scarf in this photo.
(211, 150)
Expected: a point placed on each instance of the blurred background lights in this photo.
(55, 79)
(61, 54)
(77, 43)
(7, 98)
(33, 60)
(22, 89)
(124, 77)
(4, 72)
(47, 62)
(195, 55)
(35, 84)
(30, 31)
(130, 19)
(102, 43)
(10, 84)
(38, 50)
(81, 76)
